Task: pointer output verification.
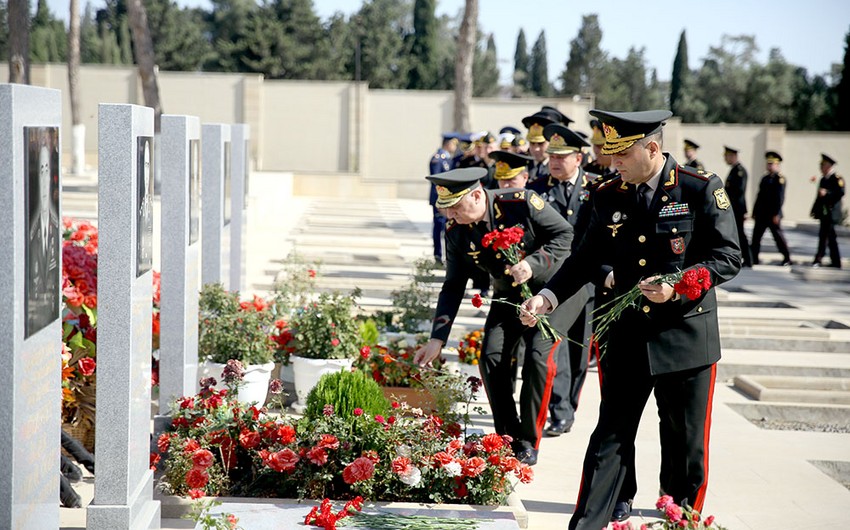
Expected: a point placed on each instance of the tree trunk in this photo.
(143, 47)
(78, 131)
(463, 66)
(19, 41)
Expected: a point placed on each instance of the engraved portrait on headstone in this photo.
(227, 184)
(41, 192)
(144, 212)
(194, 190)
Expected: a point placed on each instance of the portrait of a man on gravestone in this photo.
(42, 214)
(227, 183)
(194, 190)
(144, 221)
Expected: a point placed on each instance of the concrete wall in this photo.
(341, 138)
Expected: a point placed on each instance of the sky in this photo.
(809, 34)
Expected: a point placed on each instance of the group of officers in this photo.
(593, 229)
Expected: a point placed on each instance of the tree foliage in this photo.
(681, 74)
(522, 73)
(485, 70)
(423, 45)
(48, 41)
(540, 68)
(842, 91)
(587, 67)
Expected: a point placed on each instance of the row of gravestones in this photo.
(202, 228)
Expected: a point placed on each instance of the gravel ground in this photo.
(787, 425)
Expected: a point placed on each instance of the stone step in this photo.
(795, 389)
(785, 344)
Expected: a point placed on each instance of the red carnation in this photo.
(328, 441)
(318, 456)
(249, 439)
(477, 301)
(284, 460)
(401, 465)
(361, 469)
(163, 442)
(196, 493)
(202, 458)
(197, 477)
(492, 442)
(474, 466)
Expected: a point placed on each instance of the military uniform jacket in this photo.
(538, 171)
(736, 188)
(573, 208)
(771, 196)
(440, 163)
(546, 243)
(696, 164)
(689, 223)
(829, 206)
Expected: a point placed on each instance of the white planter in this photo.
(255, 383)
(309, 371)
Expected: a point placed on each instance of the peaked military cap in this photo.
(506, 140)
(509, 129)
(623, 129)
(535, 124)
(826, 158)
(518, 141)
(449, 136)
(690, 144)
(484, 138)
(773, 156)
(509, 165)
(598, 137)
(556, 115)
(453, 185)
(562, 140)
(732, 150)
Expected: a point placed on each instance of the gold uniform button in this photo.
(642, 262)
(501, 227)
(675, 230)
(642, 239)
(569, 212)
(498, 255)
(646, 309)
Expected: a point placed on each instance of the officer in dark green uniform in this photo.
(827, 209)
(691, 155)
(537, 144)
(767, 212)
(657, 217)
(600, 164)
(736, 189)
(473, 212)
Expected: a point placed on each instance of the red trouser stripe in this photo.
(551, 370)
(594, 348)
(700, 500)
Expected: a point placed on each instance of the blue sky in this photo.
(809, 34)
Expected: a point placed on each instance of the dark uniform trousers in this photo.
(546, 242)
(669, 349)
(768, 205)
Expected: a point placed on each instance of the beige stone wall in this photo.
(338, 138)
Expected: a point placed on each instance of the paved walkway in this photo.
(773, 322)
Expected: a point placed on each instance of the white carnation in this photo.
(403, 450)
(453, 468)
(411, 476)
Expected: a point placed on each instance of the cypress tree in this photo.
(539, 68)
(423, 68)
(522, 74)
(680, 76)
(842, 89)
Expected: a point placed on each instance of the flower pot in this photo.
(307, 373)
(255, 382)
(415, 397)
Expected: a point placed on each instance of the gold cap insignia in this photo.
(535, 133)
(558, 145)
(614, 143)
(505, 172)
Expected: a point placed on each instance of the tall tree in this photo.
(78, 131)
(4, 31)
(587, 64)
(90, 45)
(721, 83)
(680, 75)
(48, 42)
(522, 73)
(423, 68)
(229, 27)
(628, 86)
(19, 41)
(842, 91)
(540, 68)
(178, 36)
(463, 65)
(485, 70)
(384, 25)
(143, 46)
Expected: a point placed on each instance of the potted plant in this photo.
(325, 338)
(232, 329)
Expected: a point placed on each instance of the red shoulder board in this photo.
(618, 181)
(450, 224)
(698, 173)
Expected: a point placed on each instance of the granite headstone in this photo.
(216, 206)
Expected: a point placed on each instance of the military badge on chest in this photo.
(677, 245)
(616, 224)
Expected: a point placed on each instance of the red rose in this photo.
(474, 466)
(284, 460)
(202, 458)
(358, 411)
(673, 512)
(197, 477)
(329, 441)
(87, 365)
(318, 456)
(334, 342)
(361, 469)
(249, 439)
(365, 352)
(492, 442)
(477, 301)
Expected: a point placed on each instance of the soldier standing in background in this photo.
(827, 209)
(691, 154)
(736, 189)
(537, 145)
(441, 162)
(767, 212)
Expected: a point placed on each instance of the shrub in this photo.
(230, 329)
(326, 328)
(344, 391)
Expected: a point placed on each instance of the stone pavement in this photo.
(773, 322)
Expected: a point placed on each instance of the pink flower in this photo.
(673, 512)
(87, 365)
(361, 469)
(334, 342)
(318, 456)
(663, 501)
(358, 411)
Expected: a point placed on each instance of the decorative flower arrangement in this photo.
(327, 328)
(392, 365)
(691, 283)
(232, 329)
(219, 447)
(469, 349)
(507, 241)
(676, 518)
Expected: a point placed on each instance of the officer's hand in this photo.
(428, 352)
(521, 272)
(536, 305)
(656, 293)
(776, 219)
(822, 192)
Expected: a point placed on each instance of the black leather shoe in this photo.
(557, 428)
(527, 456)
(622, 511)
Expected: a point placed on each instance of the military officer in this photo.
(827, 209)
(736, 189)
(537, 144)
(441, 162)
(657, 217)
(511, 169)
(691, 154)
(473, 212)
(600, 164)
(767, 212)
